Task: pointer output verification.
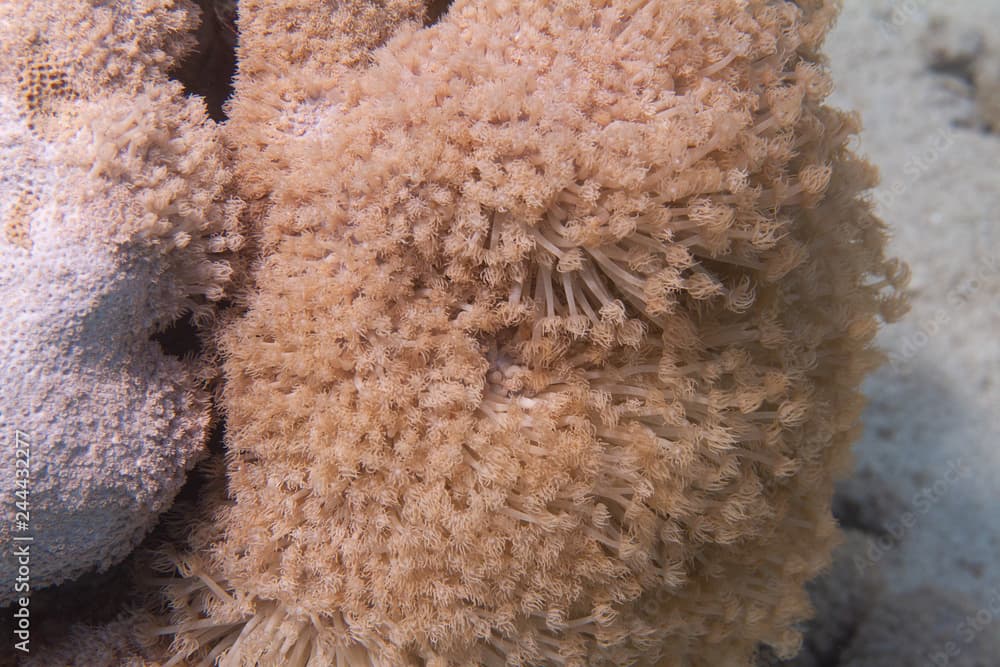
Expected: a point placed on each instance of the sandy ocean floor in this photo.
(921, 72)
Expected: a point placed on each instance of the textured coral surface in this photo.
(110, 201)
(555, 343)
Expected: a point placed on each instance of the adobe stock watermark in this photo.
(22, 539)
(899, 15)
(928, 327)
(970, 628)
(895, 529)
(917, 165)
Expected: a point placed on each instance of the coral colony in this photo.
(549, 344)
(114, 224)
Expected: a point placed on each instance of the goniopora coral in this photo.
(554, 344)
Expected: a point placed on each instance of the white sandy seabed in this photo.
(933, 421)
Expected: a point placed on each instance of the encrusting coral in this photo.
(555, 342)
(115, 224)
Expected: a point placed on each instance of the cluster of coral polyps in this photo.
(113, 225)
(554, 347)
